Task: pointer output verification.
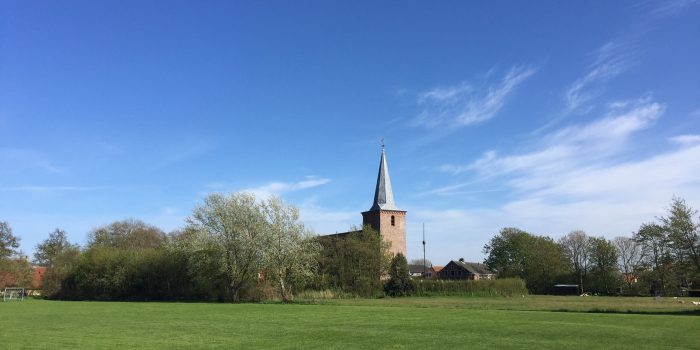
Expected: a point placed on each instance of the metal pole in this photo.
(424, 250)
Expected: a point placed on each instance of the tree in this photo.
(536, 259)
(683, 233)
(507, 252)
(47, 251)
(577, 246)
(354, 262)
(233, 227)
(420, 262)
(656, 248)
(630, 256)
(603, 260)
(60, 256)
(399, 283)
(127, 234)
(8, 242)
(289, 253)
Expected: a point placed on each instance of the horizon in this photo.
(547, 117)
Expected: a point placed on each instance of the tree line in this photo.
(232, 248)
(661, 258)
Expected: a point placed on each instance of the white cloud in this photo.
(277, 188)
(585, 176)
(685, 140)
(611, 60)
(464, 104)
(571, 146)
(672, 7)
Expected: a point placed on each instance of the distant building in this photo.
(38, 276)
(461, 270)
(384, 216)
(433, 271)
(416, 270)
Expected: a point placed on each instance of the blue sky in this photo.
(547, 116)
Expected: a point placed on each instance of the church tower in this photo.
(384, 216)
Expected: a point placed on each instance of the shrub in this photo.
(507, 287)
(399, 283)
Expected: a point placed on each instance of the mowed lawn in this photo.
(419, 323)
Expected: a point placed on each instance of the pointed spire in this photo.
(383, 196)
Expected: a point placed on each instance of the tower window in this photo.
(393, 223)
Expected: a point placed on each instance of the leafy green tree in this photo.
(62, 265)
(14, 270)
(50, 249)
(399, 283)
(8, 242)
(656, 246)
(355, 262)
(507, 252)
(605, 276)
(683, 234)
(127, 234)
(231, 229)
(290, 254)
(60, 257)
(536, 259)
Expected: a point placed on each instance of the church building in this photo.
(384, 216)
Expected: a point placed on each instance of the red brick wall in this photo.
(395, 235)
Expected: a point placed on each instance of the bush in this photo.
(507, 287)
(400, 283)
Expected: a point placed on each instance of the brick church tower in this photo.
(384, 216)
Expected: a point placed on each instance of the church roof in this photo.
(383, 196)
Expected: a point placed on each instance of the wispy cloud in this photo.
(588, 176)
(277, 188)
(467, 104)
(611, 60)
(672, 7)
(572, 146)
(457, 189)
(685, 140)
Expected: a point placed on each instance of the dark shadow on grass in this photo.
(632, 312)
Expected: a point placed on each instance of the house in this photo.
(416, 270)
(433, 271)
(38, 276)
(462, 270)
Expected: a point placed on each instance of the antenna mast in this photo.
(424, 250)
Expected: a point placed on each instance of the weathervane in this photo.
(382, 141)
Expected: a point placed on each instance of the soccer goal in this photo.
(13, 294)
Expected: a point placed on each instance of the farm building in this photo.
(462, 270)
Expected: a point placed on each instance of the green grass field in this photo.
(434, 323)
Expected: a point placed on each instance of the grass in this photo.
(444, 322)
(638, 305)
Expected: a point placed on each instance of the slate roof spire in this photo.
(383, 196)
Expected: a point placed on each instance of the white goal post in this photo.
(13, 294)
